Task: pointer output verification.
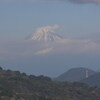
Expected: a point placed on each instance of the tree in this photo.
(1, 68)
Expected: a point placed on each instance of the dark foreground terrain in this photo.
(19, 86)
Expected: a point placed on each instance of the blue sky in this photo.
(79, 19)
(20, 18)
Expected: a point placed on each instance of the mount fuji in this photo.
(45, 34)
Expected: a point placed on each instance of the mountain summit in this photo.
(47, 34)
(75, 74)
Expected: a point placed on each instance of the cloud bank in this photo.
(73, 1)
(29, 48)
(84, 1)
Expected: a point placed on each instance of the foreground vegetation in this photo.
(19, 86)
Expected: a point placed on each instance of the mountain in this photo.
(75, 74)
(93, 80)
(19, 86)
(46, 34)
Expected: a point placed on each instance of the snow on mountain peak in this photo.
(46, 33)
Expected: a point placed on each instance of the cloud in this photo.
(33, 48)
(93, 37)
(73, 1)
(84, 1)
(47, 28)
(44, 51)
(25, 48)
(72, 46)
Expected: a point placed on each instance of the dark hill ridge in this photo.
(75, 74)
(19, 86)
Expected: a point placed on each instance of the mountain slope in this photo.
(75, 74)
(93, 80)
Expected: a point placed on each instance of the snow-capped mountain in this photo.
(46, 34)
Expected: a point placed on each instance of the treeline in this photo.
(19, 86)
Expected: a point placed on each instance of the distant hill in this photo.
(75, 74)
(19, 86)
(93, 80)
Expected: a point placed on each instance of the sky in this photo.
(78, 21)
(20, 18)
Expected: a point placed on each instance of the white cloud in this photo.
(64, 46)
(48, 28)
(44, 51)
(71, 46)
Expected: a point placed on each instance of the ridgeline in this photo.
(19, 86)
